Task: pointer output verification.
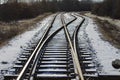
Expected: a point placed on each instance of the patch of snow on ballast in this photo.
(68, 17)
(57, 24)
(105, 52)
(10, 52)
(71, 28)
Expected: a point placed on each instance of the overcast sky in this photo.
(97, 0)
(93, 0)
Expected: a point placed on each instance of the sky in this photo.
(93, 0)
(97, 0)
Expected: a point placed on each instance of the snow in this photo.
(13, 49)
(71, 28)
(55, 25)
(104, 51)
(89, 37)
(68, 17)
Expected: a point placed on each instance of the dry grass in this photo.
(110, 32)
(9, 30)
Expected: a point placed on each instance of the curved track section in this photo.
(73, 52)
(54, 57)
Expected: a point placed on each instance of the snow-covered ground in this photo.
(104, 53)
(13, 49)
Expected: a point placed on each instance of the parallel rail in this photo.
(73, 50)
(32, 63)
(80, 73)
(57, 55)
(22, 73)
(35, 54)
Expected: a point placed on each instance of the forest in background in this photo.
(109, 8)
(13, 10)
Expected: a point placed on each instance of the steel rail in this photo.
(48, 38)
(75, 48)
(34, 61)
(73, 52)
(35, 53)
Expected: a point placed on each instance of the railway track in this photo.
(54, 57)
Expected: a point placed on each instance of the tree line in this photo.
(18, 9)
(12, 10)
(107, 8)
